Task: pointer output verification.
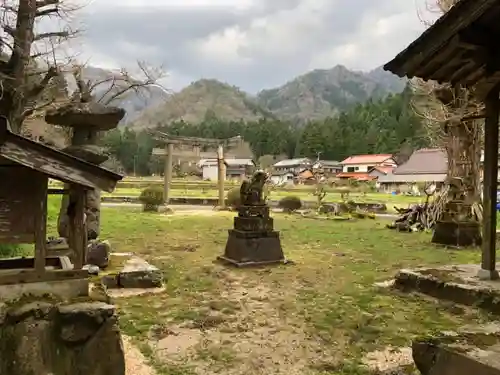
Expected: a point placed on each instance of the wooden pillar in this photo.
(169, 151)
(78, 234)
(488, 257)
(221, 175)
(41, 228)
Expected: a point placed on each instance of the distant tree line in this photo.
(377, 126)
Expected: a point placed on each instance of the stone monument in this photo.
(86, 119)
(457, 225)
(253, 241)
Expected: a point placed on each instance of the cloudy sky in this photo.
(253, 44)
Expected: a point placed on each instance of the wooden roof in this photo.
(53, 163)
(459, 48)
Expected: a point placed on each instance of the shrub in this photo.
(151, 198)
(290, 204)
(233, 198)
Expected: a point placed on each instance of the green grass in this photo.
(318, 316)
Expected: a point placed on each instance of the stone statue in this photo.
(251, 191)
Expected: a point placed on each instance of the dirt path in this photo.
(135, 362)
(245, 331)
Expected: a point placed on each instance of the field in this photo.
(318, 316)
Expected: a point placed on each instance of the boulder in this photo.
(98, 253)
(49, 337)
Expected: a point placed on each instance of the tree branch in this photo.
(58, 34)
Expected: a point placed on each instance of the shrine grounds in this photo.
(321, 315)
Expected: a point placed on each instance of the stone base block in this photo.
(247, 249)
(459, 234)
(461, 353)
(254, 224)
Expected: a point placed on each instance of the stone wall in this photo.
(41, 336)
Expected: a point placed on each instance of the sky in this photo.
(252, 44)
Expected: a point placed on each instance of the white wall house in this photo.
(365, 163)
(292, 165)
(235, 168)
(279, 178)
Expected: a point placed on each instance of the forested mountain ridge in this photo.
(314, 95)
(376, 126)
(203, 99)
(323, 93)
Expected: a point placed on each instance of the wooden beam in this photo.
(41, 227)
(31, 276)
(57, 191)
(167, 178)
(77, 232)
(221, 175)
(488, 257)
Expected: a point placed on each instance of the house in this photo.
(424, 166)
(292, 165)
(329, 167)
(235, 168)
(359, 166)
(279, 178)
(381, 171)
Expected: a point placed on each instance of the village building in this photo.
(292, 165)
(235, 168)
(329, 167)
(358, 167)
(426, 165)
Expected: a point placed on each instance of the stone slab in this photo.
(459, 284)
(137, 273)
(469, 351)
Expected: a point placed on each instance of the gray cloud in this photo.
(255, 48)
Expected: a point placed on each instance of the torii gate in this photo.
(171, 140)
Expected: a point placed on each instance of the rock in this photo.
(91, 153)
(85, 115)
(73, 339)
(92, 269)
(458, 354)
(98, 253)
(138, 273)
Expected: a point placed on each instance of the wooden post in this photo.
(488, 257)
(169, 148)
(41, 229)
(78, 234)
(221, 175)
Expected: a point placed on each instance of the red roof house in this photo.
(360, 166)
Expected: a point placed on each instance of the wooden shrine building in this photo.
(25, 168)
(461, 48)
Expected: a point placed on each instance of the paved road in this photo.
(175, 207)
(187, 207)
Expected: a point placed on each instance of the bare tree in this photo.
(451, 115)
(23, 73)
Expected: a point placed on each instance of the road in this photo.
(187, 207)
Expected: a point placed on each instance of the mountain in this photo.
(200, 99)
(325, 92)
(134, 102)
(391, 82)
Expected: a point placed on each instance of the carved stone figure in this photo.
(251, 191)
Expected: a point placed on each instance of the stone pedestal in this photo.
(456, 226)
(460, 234)
(253, 241)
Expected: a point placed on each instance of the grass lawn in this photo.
(318, 316)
